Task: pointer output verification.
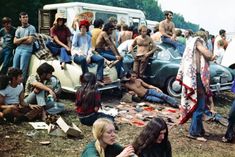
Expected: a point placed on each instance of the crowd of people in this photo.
(35, 97)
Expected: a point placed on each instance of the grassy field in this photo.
(16, 143)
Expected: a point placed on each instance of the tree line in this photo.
(151, 9)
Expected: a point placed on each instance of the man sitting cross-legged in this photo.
(148, 92)
(12, 105)
(38, 91)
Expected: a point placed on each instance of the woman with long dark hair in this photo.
(61, 44)
(88, 100)
(153, 140)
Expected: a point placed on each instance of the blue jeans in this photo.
(89, 120)
(99, 60)
(196, 128)
(153, 96)
(51, 107)
(179, 46)
(21, 60)
(56, 49)
(6, 57)
(109, 55)
(231, 123)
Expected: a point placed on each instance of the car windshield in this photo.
(174, 53)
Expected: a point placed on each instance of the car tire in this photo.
(173, 87)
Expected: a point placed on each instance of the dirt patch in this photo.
(16, 143)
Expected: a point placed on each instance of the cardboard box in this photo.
(55, 130)
(69, 130)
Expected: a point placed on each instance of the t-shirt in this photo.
(12, 94)
(61, 32)
(95, 33)
(22, 32)
(8, 37)
(110, 151)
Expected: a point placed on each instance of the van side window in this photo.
(104, 16)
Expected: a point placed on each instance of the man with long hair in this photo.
(106, 48)
(38, 91)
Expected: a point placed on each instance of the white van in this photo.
(70, 10)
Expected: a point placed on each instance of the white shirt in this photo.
(11, 94)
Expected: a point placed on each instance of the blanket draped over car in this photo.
(40, 49)
(187, 78)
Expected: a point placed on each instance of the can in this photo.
(50, 97)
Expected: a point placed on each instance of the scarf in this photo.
(187, 75)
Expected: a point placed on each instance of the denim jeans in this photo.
(51, 107)
(6, 58)
(231, 123)
(99, 60)
(196, 128)
(89, 120)
(153, 96)
(109, 55)
(56, 49)
(21, 60)
(179, 46)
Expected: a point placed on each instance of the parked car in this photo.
(70, 76)
(163, 67)
(229, 55)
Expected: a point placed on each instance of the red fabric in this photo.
(90, 109)
(61, 32)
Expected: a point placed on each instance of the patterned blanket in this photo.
(187, 78)
(41, 51)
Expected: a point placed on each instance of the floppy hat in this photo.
(59, 16)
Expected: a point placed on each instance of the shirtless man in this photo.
(145, 48)
(148, 92)
(106, 47)
(167, 29)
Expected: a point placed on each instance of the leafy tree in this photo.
(150, 7)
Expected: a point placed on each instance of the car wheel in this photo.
(173, 87)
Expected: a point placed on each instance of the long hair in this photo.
(98, 130)
(149, 135)
(87, 92)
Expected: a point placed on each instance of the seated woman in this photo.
(88, 101)
(61, 44)
(82, 51)
(105, 145)
(153, 140)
